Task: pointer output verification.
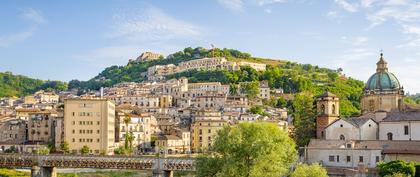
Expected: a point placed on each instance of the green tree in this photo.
(250, 89)
(127, 120)
(64, 146)
(249, 150)
(43, 151)
(313, 170)
(304, 118)
(395, 167)
(233, 89)
(85, 150)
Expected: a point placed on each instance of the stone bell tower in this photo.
(327, 107)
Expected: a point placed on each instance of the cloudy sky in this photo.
(77, 39)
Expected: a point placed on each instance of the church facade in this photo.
(387, 129)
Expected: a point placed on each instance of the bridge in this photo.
(45, 165)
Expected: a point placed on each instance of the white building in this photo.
(400, 126)
(354, 128)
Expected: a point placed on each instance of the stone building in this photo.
(327, 112)
(41, 127)
(13, 131)
(149, 56)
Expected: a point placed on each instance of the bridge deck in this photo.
(105, 162)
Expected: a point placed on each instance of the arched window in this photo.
(333, 109)
(323, 109)
(322, 134)
(389, 136)
(342, 137)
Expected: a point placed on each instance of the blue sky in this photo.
(77, 39)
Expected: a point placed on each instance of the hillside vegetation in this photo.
(17, 85)
(292, 77)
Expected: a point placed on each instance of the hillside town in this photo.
(174, 116)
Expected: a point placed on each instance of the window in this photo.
(405, 129)
(323, 109)
(348, 159)
(333, 108)
(370, 125)
(341, 125)
(348, 146)
(342, 137)
(389, 135)
(377, 159)
(331, 158)
(338, 158)
(361, 159)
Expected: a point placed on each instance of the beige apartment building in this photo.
(90, 122)
(204, 129)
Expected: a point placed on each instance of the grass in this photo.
(4, 172)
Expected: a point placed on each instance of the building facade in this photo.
(90, 122)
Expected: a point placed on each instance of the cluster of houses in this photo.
(166, 115)
(158, 72)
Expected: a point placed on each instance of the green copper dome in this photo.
(382, 79)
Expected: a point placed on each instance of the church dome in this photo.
(382, 79)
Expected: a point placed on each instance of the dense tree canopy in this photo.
(395, 167)
(17, 85)
(249, 150)
(314, 170)
(304, 118)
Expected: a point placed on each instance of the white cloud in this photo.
(355, 41)
(152, 24)
(239, 5)
(28, 14)
(33, 15)
(234, 5)
(268, 2)
(347, 6)
(107, 56)
(7, 40)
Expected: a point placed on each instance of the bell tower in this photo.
(327, 106)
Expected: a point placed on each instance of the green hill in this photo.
(292, 77)
(17, 85)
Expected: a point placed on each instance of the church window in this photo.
(331, 158)
(342, 137)
(323, 109)
(333, 109)
(389, 136)
(405, 129)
